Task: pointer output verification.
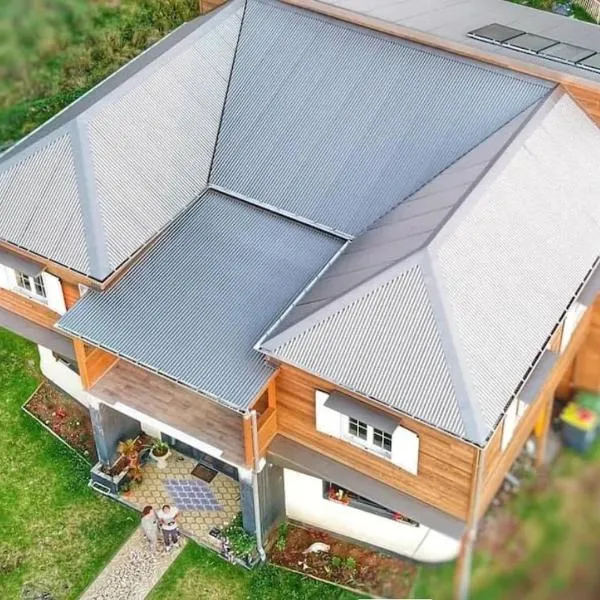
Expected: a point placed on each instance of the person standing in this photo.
(150, 526)
(167, 517)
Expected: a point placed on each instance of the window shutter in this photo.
(510, 422)
(327, 420)
(405, 449)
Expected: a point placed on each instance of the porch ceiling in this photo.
(173, 405)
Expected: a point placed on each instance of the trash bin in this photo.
(589, 400)
(579, 427)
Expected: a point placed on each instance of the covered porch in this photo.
(204, 474)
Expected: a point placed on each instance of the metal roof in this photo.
(195, 304)
(448, 334)
(451, 20)
(406, 228)
(339, 124)
(92, 185)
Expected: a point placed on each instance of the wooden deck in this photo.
(172, 404)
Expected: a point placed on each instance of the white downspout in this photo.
(255, 497)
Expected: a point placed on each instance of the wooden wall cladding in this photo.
(71, 293)
(93, 363)
(446, 464)
(28, 309)
(587, 98)
(586, 372)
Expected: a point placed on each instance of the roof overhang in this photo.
(19, 263)
(291, 455)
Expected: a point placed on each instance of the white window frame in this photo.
(32, 290)
(367, 444)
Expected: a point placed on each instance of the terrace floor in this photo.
(166, 401)
(202, 505)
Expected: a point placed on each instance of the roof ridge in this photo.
(470, 410)
(93, 224)
(235, 55)
(281, 212)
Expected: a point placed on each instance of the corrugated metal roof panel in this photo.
(193, 307)
(130, 154)
(39, 199)
(498, 276)
(543, 216)
(451, 20)
(406, 228)
(340, 111)
(384, 344)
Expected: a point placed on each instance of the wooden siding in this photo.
(174, 405)
(586, 371)
(32, 310)
(498, 463)
(93, 363)
(206, 6)
(70, 293)
(446, 464)
(587, 98)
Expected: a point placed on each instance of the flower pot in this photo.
(161, 461)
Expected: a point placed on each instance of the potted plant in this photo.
(160, 453)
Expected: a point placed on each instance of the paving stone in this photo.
(133, 572)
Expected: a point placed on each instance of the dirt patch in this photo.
(66, 417)
(347, 564)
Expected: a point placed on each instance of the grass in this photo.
(555, 550)
(56, 533)
(578, 12)
(53, 51)
(199, 574)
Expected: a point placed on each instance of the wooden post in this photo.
(248, 452)
(80, 356)
(542, 429)
(272, 392)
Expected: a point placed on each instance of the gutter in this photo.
(255, 496)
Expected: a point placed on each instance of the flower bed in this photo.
(68, 419)
(344, 564)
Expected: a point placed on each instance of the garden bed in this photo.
(345, 564)
(65, 417)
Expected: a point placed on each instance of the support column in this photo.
(110, 427)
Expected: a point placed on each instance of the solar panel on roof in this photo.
(530, 42)
(495, 33)
(566, 52)
(592, 63)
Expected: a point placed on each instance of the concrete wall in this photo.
(110, 427)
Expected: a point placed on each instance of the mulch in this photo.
(375, 573)
(66, 417)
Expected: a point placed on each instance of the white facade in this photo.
(304, 502)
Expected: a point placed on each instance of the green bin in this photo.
(589, 400)
(579, 427)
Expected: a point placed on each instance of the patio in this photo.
(202, 505)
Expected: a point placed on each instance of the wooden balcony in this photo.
(29, 309)
(128, 385)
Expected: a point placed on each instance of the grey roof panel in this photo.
(566, 52)
(510, 258)
(451, 20)
(533, 386)
(119, 164)
(339, 110)
(195, 304)
(407, 227)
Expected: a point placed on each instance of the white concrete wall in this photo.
(62, 376)
(304, 502)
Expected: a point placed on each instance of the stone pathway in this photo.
(133, 572)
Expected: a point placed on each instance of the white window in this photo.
(369, 437)
(513, 415)
(33, 286)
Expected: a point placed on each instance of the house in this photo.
(332, 253)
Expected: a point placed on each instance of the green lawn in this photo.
(51, 51)
(199, 574)
(56, 533)
(551, 545)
